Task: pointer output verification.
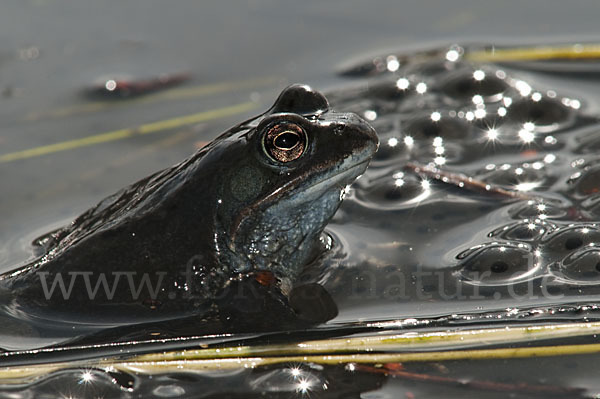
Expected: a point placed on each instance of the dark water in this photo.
(480, 209)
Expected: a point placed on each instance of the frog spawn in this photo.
(496, 127)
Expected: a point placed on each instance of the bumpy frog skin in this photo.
(255, 199)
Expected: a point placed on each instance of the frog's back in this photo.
(129, 250)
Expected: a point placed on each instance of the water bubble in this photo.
(589, 181)
(394, 193)
(168, 391)
(499, 262)
(467, 84)
(445, 127)
(580, 267)
(545, 112)
(520, 231)
(568, 239)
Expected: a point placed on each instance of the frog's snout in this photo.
(370, 135)
(360, 136)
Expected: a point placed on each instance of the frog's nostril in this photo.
(339, 129)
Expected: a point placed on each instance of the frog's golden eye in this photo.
(285, 142)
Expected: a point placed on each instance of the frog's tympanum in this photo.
(251, 205)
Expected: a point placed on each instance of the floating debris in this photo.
(123, 86)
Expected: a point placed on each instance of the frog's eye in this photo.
(285, 142)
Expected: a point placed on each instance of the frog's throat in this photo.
(281, 191)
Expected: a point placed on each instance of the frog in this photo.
(250, 206)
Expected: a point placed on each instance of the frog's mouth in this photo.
(315, 188)
(338, 180)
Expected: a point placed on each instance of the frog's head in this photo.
(286, 174)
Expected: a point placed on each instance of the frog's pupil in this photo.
(286, 140)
